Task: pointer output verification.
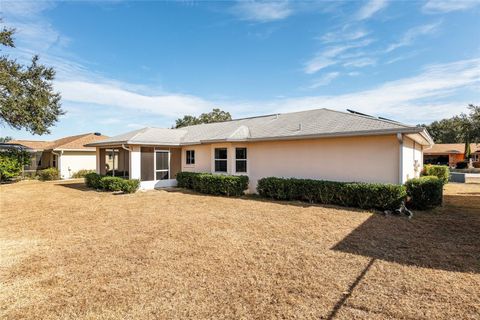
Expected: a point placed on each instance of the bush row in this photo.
(425, 192)
(215, 184)
(442, 172)
(96, 181)
(349, 194)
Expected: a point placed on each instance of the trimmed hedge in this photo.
(349, 194)
(425, 192)
(185, 179)
(442, 172)
(111, 183)
(49, 174)
(82, 173)
(215, 184)
(107, 183)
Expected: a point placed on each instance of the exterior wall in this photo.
(363, 159)
(412, 159)
(203, 158)
(454, 158)
(73, 161)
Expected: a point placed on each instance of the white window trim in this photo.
(215, 159)
(161, 170)
(235, 162)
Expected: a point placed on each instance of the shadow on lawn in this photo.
(80, 186)
(446, 238)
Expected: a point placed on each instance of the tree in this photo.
(27, 98)
(12, 162)
(5, 139)
(458, 129)
(216, 115)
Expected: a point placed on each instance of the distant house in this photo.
(68, 154)
(316, 144)
(450, 153)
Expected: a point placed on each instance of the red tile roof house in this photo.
(450, 153)
(68, 154)
(315, 144)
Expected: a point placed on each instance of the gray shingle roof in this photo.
(312, 123)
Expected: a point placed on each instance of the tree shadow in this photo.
(446, 238)
(80, 186)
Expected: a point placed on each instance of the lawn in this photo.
(71, 253)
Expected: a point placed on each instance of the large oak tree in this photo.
(27, 98)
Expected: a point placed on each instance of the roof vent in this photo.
(97, 133)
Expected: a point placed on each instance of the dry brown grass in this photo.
(67, 252)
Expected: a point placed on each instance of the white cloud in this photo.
(413, 99)
(413, 33)
(25, 8)
(442, 6)
(370, 8)
(109, 94)
(331, 56)
(344, 35)
(262, 11)
(360, 63)
(324, 80)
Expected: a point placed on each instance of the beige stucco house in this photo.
(67, 154)
(316, 144)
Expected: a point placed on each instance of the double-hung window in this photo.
(190, 157)
(240, 159)
(220, 159)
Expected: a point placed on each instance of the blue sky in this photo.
(125, 65)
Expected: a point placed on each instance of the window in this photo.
(220, 160)
(54, 161)
(240, 159)
(190, 157)
(162, 159)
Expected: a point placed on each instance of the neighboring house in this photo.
(67, 154)
(316, 144)
(450, 153)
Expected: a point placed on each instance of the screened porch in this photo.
(154, 166)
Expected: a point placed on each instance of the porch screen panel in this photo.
(147, 164)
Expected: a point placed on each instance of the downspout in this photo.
(58, 162)
(400, 163)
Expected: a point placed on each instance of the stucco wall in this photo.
(73, 161)
(412, 159)
(203, 158)
(366, 159)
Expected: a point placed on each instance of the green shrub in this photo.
(185, 179)
(111, 183)
(442, 172)
(12, 162)
(424, 192)
(92, 180)
(130, 186)
(49, 174)
(350, 194)
(96, 181)
(215, 184)
(82, 173)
